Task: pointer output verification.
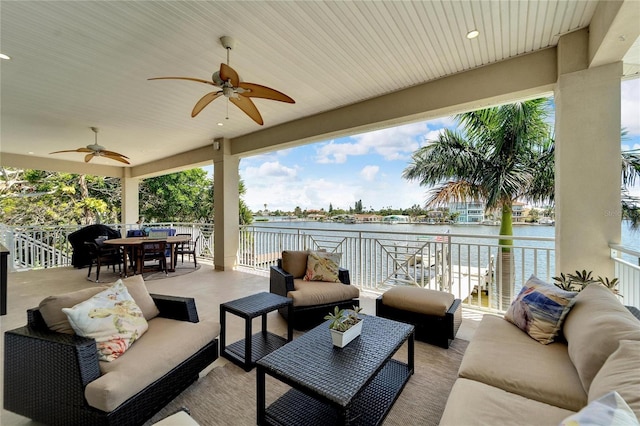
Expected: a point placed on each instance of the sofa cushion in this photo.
(51, 308)
(594, 328)
(621, 373)
(322, 266)
(309, 293)
(476, 403)
(539, 309)
(295, 262)
(608, 410)
(112, 318)
(501, 355)
(56, 320)
(138, 290)
(166, 344)
(419, 300)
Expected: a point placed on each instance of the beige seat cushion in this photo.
(309, 293)
(621, 373)
(420, 300)
(502, 355)
(594, 328)
(295, 262)
(56, 320)
(475, 403)
(166, 344)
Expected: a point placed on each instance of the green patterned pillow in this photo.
(539, 309)
(112, 318)
(608, 410)
(322, 266)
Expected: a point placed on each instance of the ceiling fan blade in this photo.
(120, 158)
(88, 158)
(204, 101)
(227, 73)
(249, 108)
(117, 154)
(72, 150)
(259, 91)
(199, 80)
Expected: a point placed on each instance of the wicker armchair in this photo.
(307, 316)
(45, 373)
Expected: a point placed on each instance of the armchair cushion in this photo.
(322, 266)
(310, 293)
(112, 318)
(295, 262)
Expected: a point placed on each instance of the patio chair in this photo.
(153, 250)
(312, 300)
(188, 248)
(102, 254)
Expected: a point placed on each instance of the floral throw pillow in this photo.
(539, 309)
(112, 318)
(323, 266)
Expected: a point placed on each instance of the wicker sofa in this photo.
(506, 377)
(56, 378)
(312, 300)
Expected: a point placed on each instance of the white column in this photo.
(130, 208)
(226, 200)
(587, 169)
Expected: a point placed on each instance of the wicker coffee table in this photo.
(355, 385)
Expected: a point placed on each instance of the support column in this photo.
(226, 178)
(587, 169)
(130, 208)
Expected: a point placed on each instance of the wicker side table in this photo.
(246, 352)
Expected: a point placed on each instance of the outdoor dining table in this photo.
(136, 243)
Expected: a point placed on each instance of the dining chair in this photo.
(153, 250)
(188, 248)
(102, 254)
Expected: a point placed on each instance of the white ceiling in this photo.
(78, 64)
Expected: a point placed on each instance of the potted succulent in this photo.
(345, 325)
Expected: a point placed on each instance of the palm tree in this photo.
(500, 155)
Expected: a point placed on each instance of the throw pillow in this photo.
(609, 409)
(51, 308)
(539, 309)
(295, 262)
(112, 318)
(323, 266)
(138, 290)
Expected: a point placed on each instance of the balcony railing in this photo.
(475, 268)
(472, 267)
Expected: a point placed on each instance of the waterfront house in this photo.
(81, 64)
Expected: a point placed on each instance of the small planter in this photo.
(342, 338)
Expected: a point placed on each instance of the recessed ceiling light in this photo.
(3, 56)
(473, 34)
(220, 124)
(30, 153)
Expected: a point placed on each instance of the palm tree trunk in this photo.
(505, 266)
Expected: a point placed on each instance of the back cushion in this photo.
(295, 262)
(594, 328)
(51, 308)
(138, 291)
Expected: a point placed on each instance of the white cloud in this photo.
(369, 173)
(337, 152)
(630, 106)
(269, 169)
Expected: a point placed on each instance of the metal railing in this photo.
(34, 247)
(475, 268)
(627, 270)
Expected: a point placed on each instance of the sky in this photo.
(367, 167)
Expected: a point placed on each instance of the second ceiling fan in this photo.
(236, 91)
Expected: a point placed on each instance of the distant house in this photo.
(472, 212)
(517, 211)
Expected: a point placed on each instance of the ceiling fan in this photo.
(236, 91)
(95, 150)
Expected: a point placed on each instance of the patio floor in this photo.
(208, 287)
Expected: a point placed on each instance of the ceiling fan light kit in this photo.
(231, 87)
(95, 150)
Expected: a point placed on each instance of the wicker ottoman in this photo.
(436, 315)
